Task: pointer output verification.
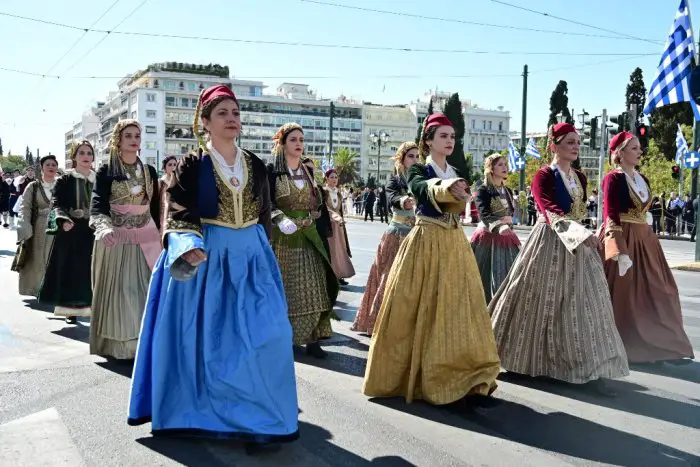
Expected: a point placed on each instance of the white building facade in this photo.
(85, 129)
(485, 130)
(399, 123)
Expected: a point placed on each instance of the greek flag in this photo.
(531, 149)
(677, 61)
(513, 157)
(681, 145)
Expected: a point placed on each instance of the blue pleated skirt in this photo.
(215, 353)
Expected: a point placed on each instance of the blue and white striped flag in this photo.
(531, 149)
(681, 145)
(513, 157)
(672, 83)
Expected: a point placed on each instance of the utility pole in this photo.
(601, 165)
(523, 128)
(330, 131)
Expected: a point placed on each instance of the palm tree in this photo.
(345, 162)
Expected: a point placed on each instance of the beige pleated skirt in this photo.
(120, 277)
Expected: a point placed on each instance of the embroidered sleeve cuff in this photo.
(495, 225)
(612, 226)
(100, 222)
(439, 190)
(178, 244)
(180, 226)
(614, 245)
(570, 232)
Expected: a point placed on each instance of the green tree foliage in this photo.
(1, 151)
(420, 127)
(345, 162)
(29, 157)
(559, 103)
(453, 111)
(636, 91)
(664, 125)
(12, 163)
(657, 169)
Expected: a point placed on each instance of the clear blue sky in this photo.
(37, 112)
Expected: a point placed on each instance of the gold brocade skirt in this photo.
(433, 338)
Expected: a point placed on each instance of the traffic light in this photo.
(621, 121)
(590, 133)
(676, 172)
(642, 134)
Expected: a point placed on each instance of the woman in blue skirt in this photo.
(215, 353)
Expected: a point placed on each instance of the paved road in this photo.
(60, 406)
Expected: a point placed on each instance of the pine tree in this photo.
(559, 103)
(29, 158)
(1, 152)
(453, 111)
(636, 91)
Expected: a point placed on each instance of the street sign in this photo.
(692, 160)
(519, 163)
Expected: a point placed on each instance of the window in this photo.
(185, 102)
(133, 115)
(489, 142)
(150, 145)
(151, 129)
(483, 124)
(191, 86)
(182, 85)
(500, 126)
(170, 100)
(150, 97)
(150, 114)
(473, 124)
(473, 141)
(156, 84)
(490, 125)
(169, 85)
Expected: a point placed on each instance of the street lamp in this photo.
(379, 138)
(560, 117)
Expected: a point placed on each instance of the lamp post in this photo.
(560, 117)
(379, 138)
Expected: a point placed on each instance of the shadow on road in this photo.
(554, 432)
(314, 445)
(121, 367)
(34, 304)
(353, 288)
(336, 361)
(689, 372)
(631, 399)
(79, 333)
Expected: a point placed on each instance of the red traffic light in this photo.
(675, 169)
(642, 131)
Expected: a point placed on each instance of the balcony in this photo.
(179, 133)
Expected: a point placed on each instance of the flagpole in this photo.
(696, 145)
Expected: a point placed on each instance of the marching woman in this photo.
(125, 216)
(169, 164)
(338, 240)
(215, 353)
(31, 229)
(552, 315)
(432, 339)
(494, 243)
(309, 281)
(644, 293)
(401, 223)
(67, 281)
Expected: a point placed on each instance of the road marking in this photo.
(38, 439)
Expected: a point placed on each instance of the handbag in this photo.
(24, 246)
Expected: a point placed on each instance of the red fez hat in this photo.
(437, 120)
(620, 138)
(213, 92)
(329, 172)
(561, 129)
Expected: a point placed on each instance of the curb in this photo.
(692, 267)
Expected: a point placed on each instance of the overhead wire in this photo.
(462, 21)
(579, 23)
(322, 45)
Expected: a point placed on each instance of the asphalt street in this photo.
(61, 406)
